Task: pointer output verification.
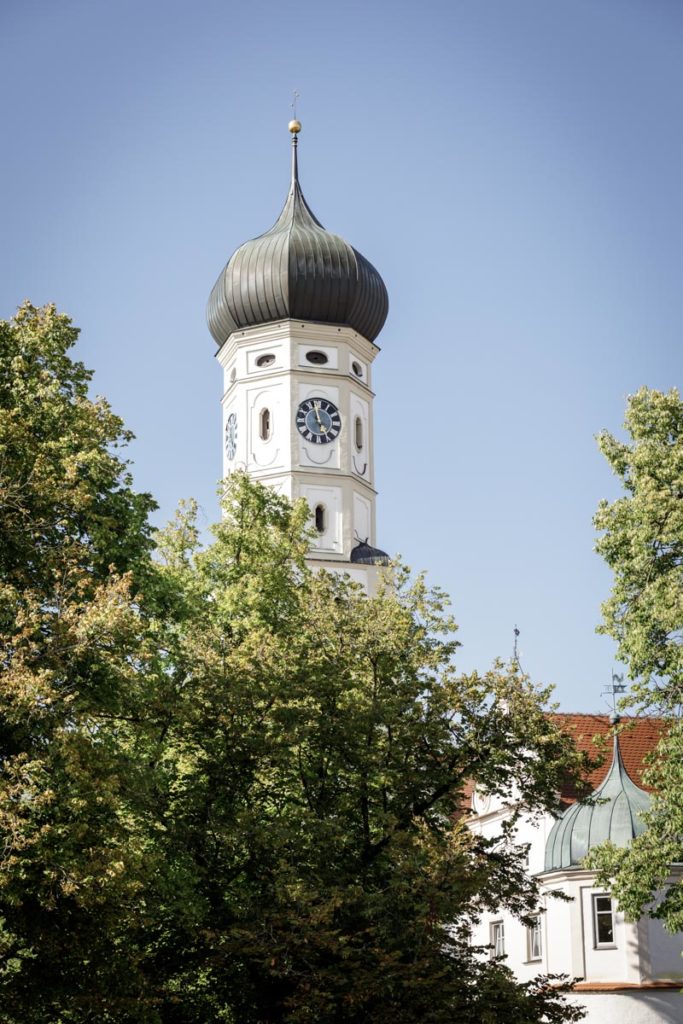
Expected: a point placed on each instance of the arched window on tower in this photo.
(358, 433)
(265, 424)
(320, 518)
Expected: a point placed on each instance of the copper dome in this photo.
(297, 271)
(613, 812)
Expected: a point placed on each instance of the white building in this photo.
(626, 972)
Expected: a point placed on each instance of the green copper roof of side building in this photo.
(614, 811)
(299, 271)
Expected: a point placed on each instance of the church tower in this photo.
(295, 313)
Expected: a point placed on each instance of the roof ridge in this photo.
(606, 717)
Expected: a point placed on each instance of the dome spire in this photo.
(297, 270)
(295, 128)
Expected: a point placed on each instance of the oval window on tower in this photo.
(320, 518)
(319, 358)
(357, 369)
(358, 433)
(267, 360)
(264, 424)
(233, 374)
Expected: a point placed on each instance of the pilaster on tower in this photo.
(295, 313)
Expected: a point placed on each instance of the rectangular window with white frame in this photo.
(534, 939)
(497, 939)
(603, 921)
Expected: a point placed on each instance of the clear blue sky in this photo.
(513, 169)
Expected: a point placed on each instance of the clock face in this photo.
(318, 420)
(231, 436)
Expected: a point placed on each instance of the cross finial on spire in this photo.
(295, 128)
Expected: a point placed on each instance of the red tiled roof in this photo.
(637, 738)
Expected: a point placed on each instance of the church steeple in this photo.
(295, 313)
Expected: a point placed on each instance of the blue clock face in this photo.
(318, 421)
(231, 436)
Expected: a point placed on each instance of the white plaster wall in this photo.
(271, 454)
(331, 498)
(362, 517)
(536, 833)
(332, 353)
(251, 355)
(665, 951)
(557, 945)
(530, 831)
(664, 1006)
(360, 458)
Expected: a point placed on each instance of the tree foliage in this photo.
(319, 748)
(642, 542)
(74, 548)
(232, 790)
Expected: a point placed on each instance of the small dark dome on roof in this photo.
(297, 271)
(365, 554)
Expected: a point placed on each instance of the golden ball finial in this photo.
(295, 127)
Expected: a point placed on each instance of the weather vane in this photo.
(616, 686)
(515, 653)
(295, 97)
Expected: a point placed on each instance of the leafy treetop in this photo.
(233, 790)
(642, 542)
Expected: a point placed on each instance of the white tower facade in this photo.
(297, 396)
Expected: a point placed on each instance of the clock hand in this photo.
(316, 410)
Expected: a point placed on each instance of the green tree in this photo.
(317, 750)
(74, 549)
(642, 542)
(232, 790)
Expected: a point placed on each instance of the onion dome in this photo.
(614, 811)
(297, 271)
(365, 554)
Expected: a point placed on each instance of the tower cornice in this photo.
(307, 332)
